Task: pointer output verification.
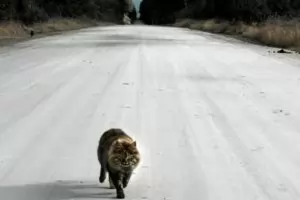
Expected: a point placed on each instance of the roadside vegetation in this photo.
(269, 22)
(22, 18)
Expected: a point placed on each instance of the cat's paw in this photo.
(120, 195)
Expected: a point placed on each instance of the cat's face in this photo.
(125, 154)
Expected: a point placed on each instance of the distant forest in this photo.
(30, 11)
(166, 11)
(152, 11)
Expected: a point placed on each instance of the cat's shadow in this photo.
(60, 190)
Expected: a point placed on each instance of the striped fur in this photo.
(118, 155)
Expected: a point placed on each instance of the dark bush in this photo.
(7, 9)
(29, 11)
(34, 14)
(154, 11)
(159, 11)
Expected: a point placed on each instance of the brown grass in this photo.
(14, 30)
(283, 34)
(185, 23)
(57, 25)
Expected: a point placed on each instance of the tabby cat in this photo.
(118, 155)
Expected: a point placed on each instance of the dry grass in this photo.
(57, 25)
(283, 34)
(184, 23)
(11, 29)
(14, 30)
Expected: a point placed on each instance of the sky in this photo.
(137, 4)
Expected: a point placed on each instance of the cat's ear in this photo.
(134, 143)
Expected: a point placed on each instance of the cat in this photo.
(118, 156)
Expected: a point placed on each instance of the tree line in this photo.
(166, 11)
(30, 11)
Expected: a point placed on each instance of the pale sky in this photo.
(137, 4)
